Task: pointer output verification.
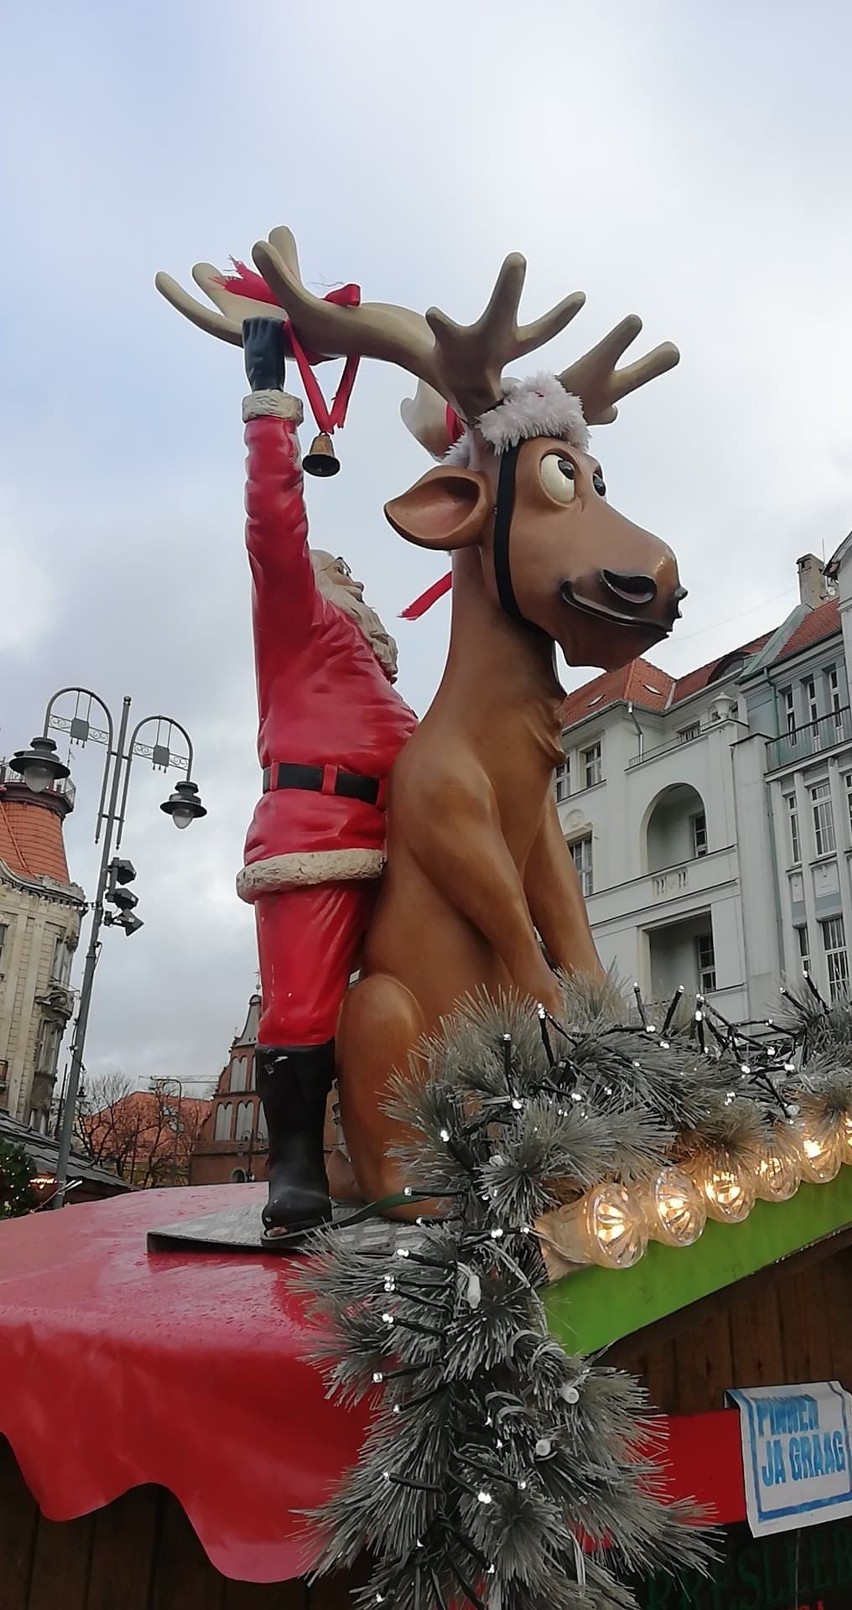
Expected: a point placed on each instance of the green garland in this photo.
(17, 1171)
(499, 1471)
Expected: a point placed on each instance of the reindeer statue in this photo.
(480, 891)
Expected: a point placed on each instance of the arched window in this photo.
(677, 828)
(262, 1131)
(238, 1176)
(224, 1112)
(244, 1120)
(238, 1074)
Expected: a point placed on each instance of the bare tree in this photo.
(146, 1136)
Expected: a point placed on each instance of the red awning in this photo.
(188, 1370)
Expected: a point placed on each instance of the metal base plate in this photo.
(238, 1229)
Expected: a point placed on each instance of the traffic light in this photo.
(119, 874)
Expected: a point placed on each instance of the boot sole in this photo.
(291, 1238)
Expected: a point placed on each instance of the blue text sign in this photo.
(797, 1454)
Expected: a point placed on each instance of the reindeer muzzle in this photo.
(635, 617)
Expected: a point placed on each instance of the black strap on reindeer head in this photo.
(502, 528)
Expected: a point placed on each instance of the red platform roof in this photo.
(189, 1370)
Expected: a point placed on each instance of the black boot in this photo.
(293, 1083)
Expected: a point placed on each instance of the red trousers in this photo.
(309, 940)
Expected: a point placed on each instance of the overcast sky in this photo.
(689, 162)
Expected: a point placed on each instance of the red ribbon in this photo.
(427, 599)
(244, 282)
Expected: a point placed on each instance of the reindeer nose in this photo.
(630, 588)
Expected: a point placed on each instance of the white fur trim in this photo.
(535, 407)
(274, 404)
(539, 406)
(303, 870)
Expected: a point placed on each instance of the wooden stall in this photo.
(786, 1323)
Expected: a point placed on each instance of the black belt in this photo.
(321, 780)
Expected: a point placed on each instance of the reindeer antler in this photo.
(464, 363)
(599, 385)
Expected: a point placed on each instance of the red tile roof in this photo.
(819, 623)
(31, 842)
(652, 689)
(694, 681)
(640, 681)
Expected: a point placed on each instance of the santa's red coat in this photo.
(323, 697)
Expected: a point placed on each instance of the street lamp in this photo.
(184, 805)
(40, 767)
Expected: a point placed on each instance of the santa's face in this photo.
(336, 582)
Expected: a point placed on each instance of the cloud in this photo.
(689, 164)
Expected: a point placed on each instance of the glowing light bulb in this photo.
(607, 1226)
(615, 1227)
(779, 1171)
(821, 1146)
(675, 1210)
(728, 1188)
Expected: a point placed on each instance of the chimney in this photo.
(813, 587)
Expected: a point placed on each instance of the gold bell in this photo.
(321, 460)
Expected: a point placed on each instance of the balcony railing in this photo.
(64, 787)
(814, 739)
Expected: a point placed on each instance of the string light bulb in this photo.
(674, 1209)
(820, 1141)
(728, 1188)
(779, 1170)
(607, 1227)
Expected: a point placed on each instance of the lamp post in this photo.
(39, 766)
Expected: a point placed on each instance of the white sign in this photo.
(797, 1455)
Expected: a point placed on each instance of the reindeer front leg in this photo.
(462, 850)
(556, 900)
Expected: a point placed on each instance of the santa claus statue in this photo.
(331, 726)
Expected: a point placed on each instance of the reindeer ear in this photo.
(447, 509)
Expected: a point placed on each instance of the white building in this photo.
(709, 815)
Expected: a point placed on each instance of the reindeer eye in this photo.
(599, 484)
(557, 477)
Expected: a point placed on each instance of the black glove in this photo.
(263, 346)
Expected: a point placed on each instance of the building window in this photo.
(581, 855)
(793, 824)
(245, 1121)
(804, 945)
(262, 1131)
(562, 778)
(239, 1176)
(592, 765)
(832, 679)
(238, 1074)
(4, 929)
(60, 967)
(47, 1047)
(698, 825)
(223, 1121)
(685, 735)
(811, 706)
(706, 959)
(823, 818)
(789, 711)
(834, 945)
